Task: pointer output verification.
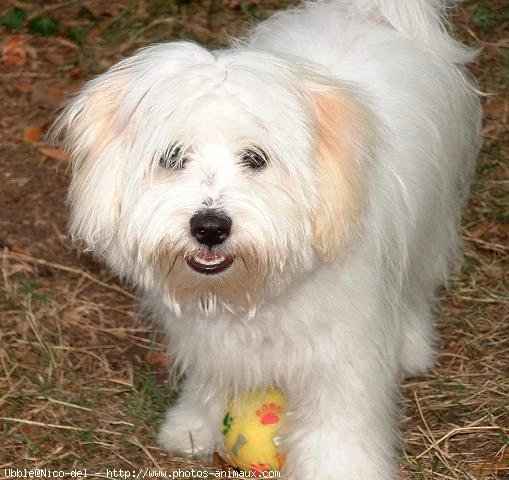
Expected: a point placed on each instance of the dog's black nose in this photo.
(210, 228)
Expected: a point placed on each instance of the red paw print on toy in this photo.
(259, 468)
(268, 414)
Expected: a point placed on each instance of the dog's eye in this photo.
(254, 159)
(173, 158)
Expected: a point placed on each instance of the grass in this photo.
(83, 380)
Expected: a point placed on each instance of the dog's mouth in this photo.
(210, 262)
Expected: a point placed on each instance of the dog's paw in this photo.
(185, 435)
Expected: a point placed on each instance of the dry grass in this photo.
(82, 379)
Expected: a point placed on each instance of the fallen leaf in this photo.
(95, 32)
(492, 466)
(156, 359)
(453, 348)
(498, 109)
(13, 51)
(31, 430)
(76, 73)
(32, 134)
(55, 154)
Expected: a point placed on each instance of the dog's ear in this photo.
(344, 135)
(90, 134)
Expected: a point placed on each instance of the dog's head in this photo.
(215, 177)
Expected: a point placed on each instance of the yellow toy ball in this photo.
(250, 428)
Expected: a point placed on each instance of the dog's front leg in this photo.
(341, 427)
(191, 426)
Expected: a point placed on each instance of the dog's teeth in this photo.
(210, 261)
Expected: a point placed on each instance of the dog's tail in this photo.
(422, 20)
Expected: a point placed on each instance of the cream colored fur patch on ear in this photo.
(338, 125)
(91, 137)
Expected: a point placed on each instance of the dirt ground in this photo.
(82, 376)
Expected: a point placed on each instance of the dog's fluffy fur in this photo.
(371, 126)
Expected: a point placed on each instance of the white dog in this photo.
(287, 208)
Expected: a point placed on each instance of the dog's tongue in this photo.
(210, 258)
(210, 262)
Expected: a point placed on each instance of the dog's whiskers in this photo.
(173, 264)
(244, 261)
